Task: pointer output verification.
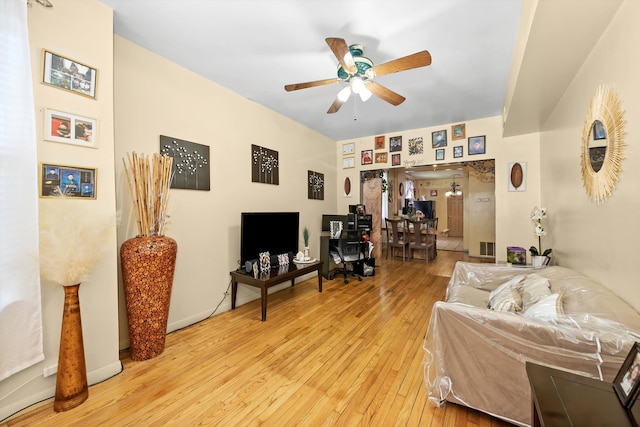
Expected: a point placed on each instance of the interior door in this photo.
(455, 216)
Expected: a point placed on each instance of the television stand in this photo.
(274, 277)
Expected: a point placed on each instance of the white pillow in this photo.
(548, 308)
(506, 296)
(509, 283)
(533, 289)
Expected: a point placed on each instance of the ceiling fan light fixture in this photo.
(358, 72)
(454, 190)
(357, 85)
(344, 94)
(365, 94)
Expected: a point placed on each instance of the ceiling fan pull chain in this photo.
(355, 111)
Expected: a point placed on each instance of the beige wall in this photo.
(156, 97)
(479, 224)
(479, 214)
(65, 30)
(598, 240)
(513, 208)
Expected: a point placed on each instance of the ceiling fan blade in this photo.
(297, 86)
(416, 60)
(340, 50)
(383, 93)
(335, 106)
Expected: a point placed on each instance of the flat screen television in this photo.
(427, 207)
(276, 232)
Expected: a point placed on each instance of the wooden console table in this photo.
(275, 277)
(560, 398)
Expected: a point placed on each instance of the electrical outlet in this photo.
(50, 370)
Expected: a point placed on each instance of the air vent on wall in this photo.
(487, 249)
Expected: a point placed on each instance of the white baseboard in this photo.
(248, 294)
(93, 377)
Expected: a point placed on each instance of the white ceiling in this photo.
(255, 47)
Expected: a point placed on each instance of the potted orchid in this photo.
(539, 257)
(305, 237)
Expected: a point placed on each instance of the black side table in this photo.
(560, 398)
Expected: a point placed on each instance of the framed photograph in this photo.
(433, 193)
(68, 181)
(68, 74)
(439, 139)
(348, 162)
(457, 151)
(69, 128)
(627, 379)
(366, 157)
(265, 261)
(348, 148)
(395, 160)
(440, 154)
(598, 130)
(395, 143)
(458, 132)
(379, 143)
(381, 157)
(416, 146)
(634, 411)
(477, 145)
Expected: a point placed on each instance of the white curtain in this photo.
(20, 308)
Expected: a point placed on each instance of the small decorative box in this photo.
(516, 255)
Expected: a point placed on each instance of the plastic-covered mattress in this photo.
(495, 318)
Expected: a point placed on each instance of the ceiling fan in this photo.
(360, 73)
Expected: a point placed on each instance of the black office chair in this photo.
(347, 249)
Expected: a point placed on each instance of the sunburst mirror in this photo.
(602, 144)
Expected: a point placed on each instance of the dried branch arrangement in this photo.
(149, 181)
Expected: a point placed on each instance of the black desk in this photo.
(560, 398)
(274, 277)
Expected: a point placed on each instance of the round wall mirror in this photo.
(602, 144)
(597, 145)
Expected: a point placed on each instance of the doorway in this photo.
(476, 228)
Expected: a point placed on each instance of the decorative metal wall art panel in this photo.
(190, 163)
(264, 165)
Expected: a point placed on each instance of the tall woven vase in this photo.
(71, 379)
(148, 264)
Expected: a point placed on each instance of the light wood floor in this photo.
(351, 355)
(447, 243)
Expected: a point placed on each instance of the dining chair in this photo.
(396, 238)
(432, 229)
(418, 241)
